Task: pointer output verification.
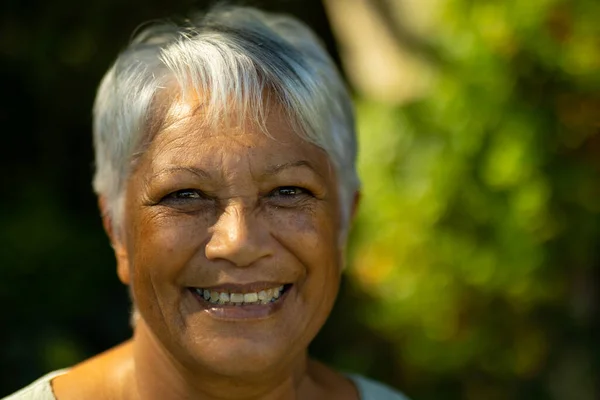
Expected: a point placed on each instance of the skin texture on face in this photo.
(207, 207)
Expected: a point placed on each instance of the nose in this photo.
(237, 238)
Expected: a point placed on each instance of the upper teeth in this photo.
(262, 297)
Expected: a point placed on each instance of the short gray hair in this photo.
(232, 56)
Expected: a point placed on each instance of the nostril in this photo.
(238, 246)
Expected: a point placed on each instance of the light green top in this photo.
(38, 390)
(367, 389)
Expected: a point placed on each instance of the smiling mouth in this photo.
(214, 297)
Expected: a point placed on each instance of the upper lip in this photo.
(242, 287)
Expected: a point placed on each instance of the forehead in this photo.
(190, 135)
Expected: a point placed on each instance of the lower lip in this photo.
(243, 312)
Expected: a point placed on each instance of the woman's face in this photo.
(215, 214)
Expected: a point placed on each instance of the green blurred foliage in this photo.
(478, 236)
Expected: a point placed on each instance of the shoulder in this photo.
(369, 389)
(41, 389)
(96, 378)
(103, 376)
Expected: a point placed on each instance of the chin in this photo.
(240, 357)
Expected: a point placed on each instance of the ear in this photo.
(116, 242)
(355, 203)
(344, 236)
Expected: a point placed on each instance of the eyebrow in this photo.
(272, 170)
(196, 171)
(300, 163)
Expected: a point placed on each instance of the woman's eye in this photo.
(185, 194)
(289, 191)
(187, 200)
(288, 195)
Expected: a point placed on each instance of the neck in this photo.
(158, 375)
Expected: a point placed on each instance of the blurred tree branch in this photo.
(402, 36)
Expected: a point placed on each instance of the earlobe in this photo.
(115, 242)
(122, 267)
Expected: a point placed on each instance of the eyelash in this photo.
(302, 191)
(178, 195)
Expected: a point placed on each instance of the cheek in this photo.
(164, 244)
(311, 236)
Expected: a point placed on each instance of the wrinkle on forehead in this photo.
(194, 111)
(232, 155)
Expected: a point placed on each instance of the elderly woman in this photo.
(225, 155)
